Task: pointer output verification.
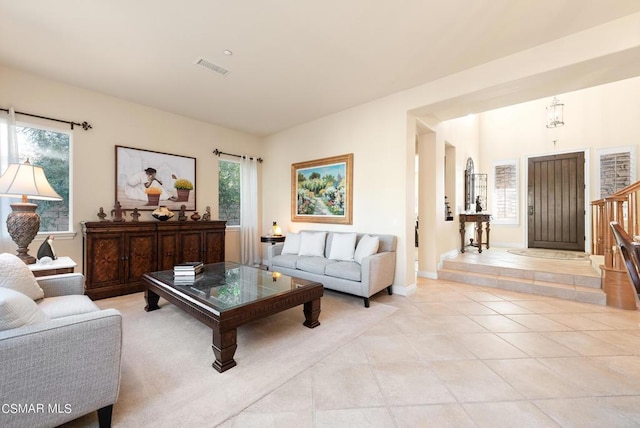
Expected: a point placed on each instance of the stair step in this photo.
(580, 288)
(592, 281)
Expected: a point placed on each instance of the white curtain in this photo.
(249, 245)
(8, 154)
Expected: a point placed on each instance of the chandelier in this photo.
(554, 114)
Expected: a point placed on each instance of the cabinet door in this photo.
(167, 250)
(214, 246)
(191, 246)
(104, 259)
(140, 255)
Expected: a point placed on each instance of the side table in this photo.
(478, 219)
(272, 239)
(56, 267)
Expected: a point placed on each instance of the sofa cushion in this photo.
(343, 246)
(345, 270)
(64, 306)
(17, 310)
(313, 264)
(312, 244)
(285, 260)
(16, 275)
(291, 244)
(367, 246)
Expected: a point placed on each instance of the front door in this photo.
(556, 202)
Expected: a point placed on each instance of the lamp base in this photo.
(23, 224)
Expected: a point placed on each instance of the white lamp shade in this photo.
(27, 180)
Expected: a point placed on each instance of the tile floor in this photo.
(465, 356)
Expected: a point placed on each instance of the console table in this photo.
(478, 219)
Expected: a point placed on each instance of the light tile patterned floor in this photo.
(466, 356)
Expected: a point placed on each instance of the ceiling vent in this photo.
(201, 62)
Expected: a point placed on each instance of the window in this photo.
(229, 192)
(505, 192)
(50, 149)
(617, 169)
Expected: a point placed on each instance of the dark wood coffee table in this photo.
(227, 295)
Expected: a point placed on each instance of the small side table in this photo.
(272, 239)
(56, 267)
(478, 219)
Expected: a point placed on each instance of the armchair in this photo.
(64, 367)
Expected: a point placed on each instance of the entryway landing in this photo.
(577, 280)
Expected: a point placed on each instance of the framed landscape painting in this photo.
(322, 190)
(146, 179)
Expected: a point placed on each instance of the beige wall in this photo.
(119, 122)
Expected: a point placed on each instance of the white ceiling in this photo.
(293, 60)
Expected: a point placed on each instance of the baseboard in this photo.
(426, 274)
(405, 291)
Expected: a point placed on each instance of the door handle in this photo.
(530, 209)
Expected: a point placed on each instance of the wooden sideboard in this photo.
(117, 254)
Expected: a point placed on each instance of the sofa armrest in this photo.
(62, 285)
(378, 271)
(272, 251)
(71, 362)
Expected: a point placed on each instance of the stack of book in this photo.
(186, 273)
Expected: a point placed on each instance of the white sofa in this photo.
(60, 354)
(348, 262)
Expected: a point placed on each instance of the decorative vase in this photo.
(195, 216)
(154, 200)
(183, 195)
(162, 213)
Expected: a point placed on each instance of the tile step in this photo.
(530, 285)
(591, 281)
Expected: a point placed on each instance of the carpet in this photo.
(167, 378)
(542, 253)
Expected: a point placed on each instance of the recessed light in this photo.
(227, 52)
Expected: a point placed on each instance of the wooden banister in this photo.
(622, 207)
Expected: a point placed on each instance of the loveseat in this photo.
(355, 263)
(59, 353)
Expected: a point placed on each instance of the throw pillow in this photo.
(367, 246)
(17, 310)
(291, 244)
(16, 275)
(312, 244)
(343, 246)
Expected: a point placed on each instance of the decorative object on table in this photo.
(207, 214)
(118, 213)
(25, 181)
(138, 170)
(162, 213)
(182, 216)
(102, 215)
(447, 210)
(276, 230)
(322, 190)
(135, 215)
(183, 187)
(478, 204)
(188, 269)
(46, 249)
(195, 216)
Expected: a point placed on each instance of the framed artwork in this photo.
(146, 180)
(322, 190)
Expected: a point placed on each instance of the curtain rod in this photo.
(218, 153)
(85, 125)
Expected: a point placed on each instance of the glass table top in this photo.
(226, 285)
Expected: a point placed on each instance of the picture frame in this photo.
(147, 179)
(322, 190)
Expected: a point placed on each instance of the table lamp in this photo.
(25, 181)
